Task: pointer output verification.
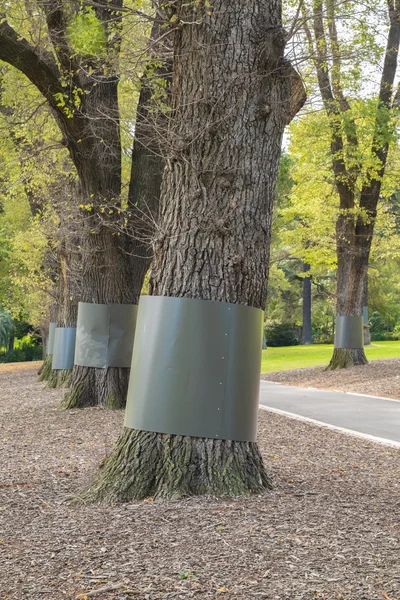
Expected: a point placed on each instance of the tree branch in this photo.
(44, 74)
(343, 179)
(380, 144)
(56, 25)
(17, 52)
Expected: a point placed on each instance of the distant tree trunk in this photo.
(307, 328)
(11, 343)
(46, 368)
(69, 289)
(367, 333)
(231, 103)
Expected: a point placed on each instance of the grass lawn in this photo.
(296, 357)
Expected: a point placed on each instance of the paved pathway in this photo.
(371, 417)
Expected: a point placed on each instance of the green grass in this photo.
(297, 357)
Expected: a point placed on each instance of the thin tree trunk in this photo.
(307, 329)
(46, 368)
(367, 333)
(231, 102)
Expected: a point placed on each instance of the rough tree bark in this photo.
(356, 220)
(87, 113)
(233, 93)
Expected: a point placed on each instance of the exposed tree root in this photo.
(46, 369)
(52, 379)
(88, 386)
(59, 378)
(343, 358)
(146, 464)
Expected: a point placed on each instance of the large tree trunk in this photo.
(231, 100)
(109, 275)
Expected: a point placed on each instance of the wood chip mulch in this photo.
(329, 530)
(378, 378)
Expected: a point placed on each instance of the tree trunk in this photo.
(45, 370)
(353, 254)
(69, 290)
(115, 263)
(110, 275)
(367, 333)
(307, 329)
(231, 101)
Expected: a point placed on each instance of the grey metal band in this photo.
(64, 348)
(50, 341)
(195, 369)
(365, 315)
(105, 333)
(349, 332)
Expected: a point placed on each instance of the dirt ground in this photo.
(329, 530)
(378, 378)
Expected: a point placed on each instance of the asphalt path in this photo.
(363, 415)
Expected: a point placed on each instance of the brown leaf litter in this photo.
(329, 530)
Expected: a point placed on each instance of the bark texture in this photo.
(232, 95)
(46, 370)
(146, 464)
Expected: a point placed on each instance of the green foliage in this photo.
(280, 334)
(86, 34)
(379, 329)
(6, 327)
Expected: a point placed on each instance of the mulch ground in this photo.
(330, 529)
(378, 378)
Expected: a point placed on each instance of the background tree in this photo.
(73, 58)
(304, 231)
(357, 170)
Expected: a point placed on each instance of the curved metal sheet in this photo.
(349, 332)
(195, 368)
(105, 334)
(50, 342)
(64, 348)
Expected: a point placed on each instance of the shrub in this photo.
(25, 349)
(377, 327)
(280, 334)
